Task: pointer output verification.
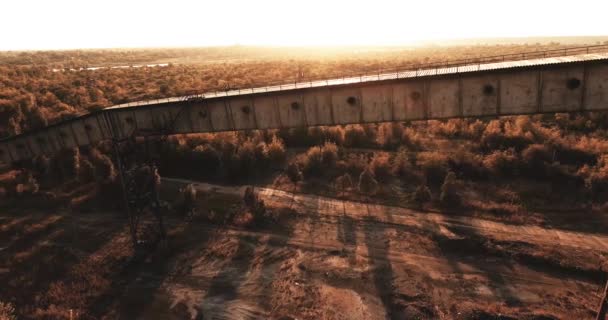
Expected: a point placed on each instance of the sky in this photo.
(68, 24)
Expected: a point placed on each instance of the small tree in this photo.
(294, 173)
(344, 182)
(449, 191)
(422, 195)
(367, 183)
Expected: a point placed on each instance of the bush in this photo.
(207, 160)
(467, 164)
(367, 183)
(502, 162)
(355, 164)
(319, 160)
(276, 151)
(313, 162)
(105, 171)
(344, 182)
(422, 195)
(7, 311)
(449, 191)
(535, 156)
(86, 172)
(355, 136)
(516, 135)
(402, 166)
(294, 173)
(596, 178)
(390, 135)
(380, 166)
(25, 184)
(254, 205)
(329, 154)
(434, 165)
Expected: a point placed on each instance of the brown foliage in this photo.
(380, 166)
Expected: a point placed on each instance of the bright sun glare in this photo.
(59, 24)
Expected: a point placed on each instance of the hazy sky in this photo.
(58, 24)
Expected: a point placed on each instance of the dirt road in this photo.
(347, 260)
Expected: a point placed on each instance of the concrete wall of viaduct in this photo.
(542, 89)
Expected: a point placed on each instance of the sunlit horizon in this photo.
(68, 24)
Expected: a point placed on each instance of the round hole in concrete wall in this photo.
(295, 105)
(488, 89)
(351, 100)
(202, 114)
(573, 83)
(415, 95)
(245, 109)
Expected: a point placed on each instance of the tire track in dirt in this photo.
(402, 216)
(366, 237)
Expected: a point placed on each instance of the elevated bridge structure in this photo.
(566, 80)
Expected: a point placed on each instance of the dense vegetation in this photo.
(512, 168)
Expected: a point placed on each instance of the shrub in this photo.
(294, 173)
(434, 165)
(254, 205)
(402, 166)
(329, 154)
(86, 172)
(246, 157)
(355, 136)
(25, 183)
(344, 182)
(503, 162)
(449, 191)
(354, 164)
(207, 160)
(535, 156)
(380, 166)
(105, 171)
(7, 311)
(467, 164)
(411, 139)
(313, 162)
(390, 135)
(320, 160)
(422, 195)
(596, 178)
(516, 135)
(367, 183)
(276, 151)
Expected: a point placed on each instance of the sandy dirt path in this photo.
(402, 216)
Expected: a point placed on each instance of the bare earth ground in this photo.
(333, 260)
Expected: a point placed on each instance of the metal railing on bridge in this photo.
(407, 70)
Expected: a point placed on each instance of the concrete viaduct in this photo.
(573, 81)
